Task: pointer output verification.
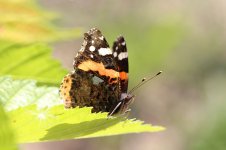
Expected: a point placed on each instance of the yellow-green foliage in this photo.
(7, 141)
(36, 114)
(25, 22)
(30, 61)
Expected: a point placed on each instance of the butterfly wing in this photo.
(121, 58)
(96, 57)
(95, 79)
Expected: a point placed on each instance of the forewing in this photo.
(96, 57)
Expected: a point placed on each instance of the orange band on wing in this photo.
(123, 75)
(93, 66)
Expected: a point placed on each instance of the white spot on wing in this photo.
(92, 41)
(104, 51)
(115, 54)
(101, 38)
(123, 43)
(116, 48)
(122, 55)
(92, 48)
(91, 55)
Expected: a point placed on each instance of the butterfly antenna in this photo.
(143, 81)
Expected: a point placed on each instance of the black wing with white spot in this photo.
(121, 57)
(95, 48)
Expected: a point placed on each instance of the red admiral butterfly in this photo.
(100, 76)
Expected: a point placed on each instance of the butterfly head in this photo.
(122, 107)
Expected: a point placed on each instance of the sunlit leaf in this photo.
(19, 93)
(30, 61)
(26, 22)
(37, 114)
(58, 123)
(7, 141)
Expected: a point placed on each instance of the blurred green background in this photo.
(186, 40)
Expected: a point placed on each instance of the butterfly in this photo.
(100, 76)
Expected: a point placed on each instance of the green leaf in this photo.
(32, 61)
(19, 93)
(25, 22)
(41, 118)
(58, 123)
(7, 141)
